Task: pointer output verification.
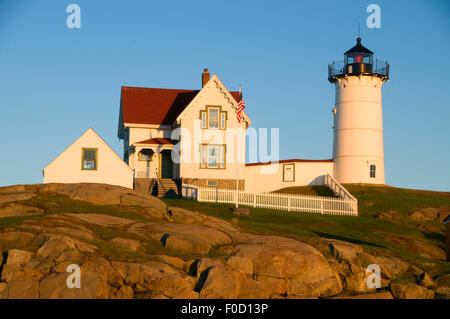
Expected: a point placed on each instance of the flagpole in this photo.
(237, 155)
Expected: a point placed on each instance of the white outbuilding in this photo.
(89, 160)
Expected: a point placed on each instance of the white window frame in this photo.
(206, 158)
(217, 109)
(223, 120)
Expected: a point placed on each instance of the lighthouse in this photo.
(358, 154)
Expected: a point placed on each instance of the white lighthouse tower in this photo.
(358, 123)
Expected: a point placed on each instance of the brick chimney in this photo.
(205, 77)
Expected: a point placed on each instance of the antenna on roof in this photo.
(359, 29)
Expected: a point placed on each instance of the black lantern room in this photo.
(358, 61)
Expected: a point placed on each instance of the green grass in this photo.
(307, 190)
(365, 229)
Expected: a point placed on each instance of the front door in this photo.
(166, 165)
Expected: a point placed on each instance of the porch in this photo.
(153, 159)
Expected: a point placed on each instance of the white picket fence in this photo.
(288, 202)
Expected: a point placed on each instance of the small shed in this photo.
(89, 160)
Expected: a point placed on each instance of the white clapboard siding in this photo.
(288, 202)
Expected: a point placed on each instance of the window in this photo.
(89, 159)
(211, 183)
(145, 155)
(213, 156)
(372, 171)
(213, 118)
(222, 120)
(203, 118)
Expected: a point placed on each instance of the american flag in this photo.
(240, 108)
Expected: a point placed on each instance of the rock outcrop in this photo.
(128, 245)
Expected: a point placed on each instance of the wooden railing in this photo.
(288, 202)
(337, 188)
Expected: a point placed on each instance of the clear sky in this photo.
(56, 82)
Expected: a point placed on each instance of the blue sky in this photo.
(56, 82)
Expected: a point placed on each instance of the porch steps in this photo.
(167, 188)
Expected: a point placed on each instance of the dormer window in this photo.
(213, 118)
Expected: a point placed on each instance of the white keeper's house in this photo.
(197, 137)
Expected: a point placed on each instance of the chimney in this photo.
(205, 77)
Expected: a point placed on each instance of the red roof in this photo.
(156, 106)
(159, 141)
(292, 161)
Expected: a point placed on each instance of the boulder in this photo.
(98, 194)
(18, 210)
(443, 281)
(143, 201)
(426, 281)
(129, 272)
(443, 287)
(429, 214)
(15, 239)
(125, 243)
(170, 260)
(7, 198)
(76, 232)
(55, 246)
(241, 264)
(241, 211)
(103, 220)
(387, 216)
(391, 266)
(353, 277)
(203, 264)
(262, 287)
(421, 248)
(401, 290)
(13, 189)
(219, 282)
(18, 257)
(185, 243)
(307, 270)
(186, 238)
(24, 288)
(442, 293)
(4, 291)
(93, 286)
(344, 250)
(184, 216)
(161, 279)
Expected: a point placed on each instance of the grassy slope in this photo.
(365, 229)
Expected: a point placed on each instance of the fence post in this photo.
(321, 206)
(289, 203)
(254, 199)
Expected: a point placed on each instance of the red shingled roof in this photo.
(159, 141)
(156, 106)
(291, 161)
